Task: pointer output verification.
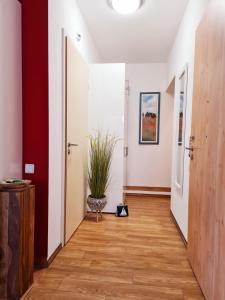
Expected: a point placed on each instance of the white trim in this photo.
(63, 139)
(147, 193)
(184, 70)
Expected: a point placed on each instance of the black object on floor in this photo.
(122, 211)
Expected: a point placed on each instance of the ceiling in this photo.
(143, 37)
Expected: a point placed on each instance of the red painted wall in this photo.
(35, 112)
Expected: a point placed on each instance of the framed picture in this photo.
(149, 118)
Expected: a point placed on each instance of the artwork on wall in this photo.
(149, 118)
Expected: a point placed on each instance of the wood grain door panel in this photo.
(206, 238)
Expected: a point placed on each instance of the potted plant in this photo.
(101, 152)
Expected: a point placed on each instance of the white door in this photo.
(76, 88)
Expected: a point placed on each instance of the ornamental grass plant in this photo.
(100, 153)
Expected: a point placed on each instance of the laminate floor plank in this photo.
(141, 257)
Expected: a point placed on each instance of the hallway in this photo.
(137, 258)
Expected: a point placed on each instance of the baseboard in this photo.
(43, 263)
(40, 263)
(178, 228)
(143, 195)
(54, 254)
(148, 189)
(26, 293)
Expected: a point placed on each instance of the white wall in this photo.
(10, 89)
(148, 165)
(62, 15)
(106, 113)
(182, 53)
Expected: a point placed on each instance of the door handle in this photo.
(189, 148)
(71, 145)
(191, 152)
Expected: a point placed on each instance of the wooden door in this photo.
(206, 239)
(77, 77)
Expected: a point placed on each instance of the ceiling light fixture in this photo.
(125, 7)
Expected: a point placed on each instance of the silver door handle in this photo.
(189, 148)
(191, 152)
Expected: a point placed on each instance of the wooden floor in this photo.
(137, 258)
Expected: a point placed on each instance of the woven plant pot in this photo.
(96, 204)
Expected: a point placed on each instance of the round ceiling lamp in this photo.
(125, 7)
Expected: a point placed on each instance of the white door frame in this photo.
(184, 70)
(179, 193)
(63, 167)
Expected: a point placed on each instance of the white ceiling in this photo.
(143, 37)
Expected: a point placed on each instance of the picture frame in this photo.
(149, 118)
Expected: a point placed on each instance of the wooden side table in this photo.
(16, 241)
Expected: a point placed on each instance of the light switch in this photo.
(29, 168)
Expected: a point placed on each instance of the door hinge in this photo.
(127, 88)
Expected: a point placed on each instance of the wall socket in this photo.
(29, 168)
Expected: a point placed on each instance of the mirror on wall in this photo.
(181, 104)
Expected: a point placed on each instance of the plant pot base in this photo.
(96, 205)
(97, 213)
